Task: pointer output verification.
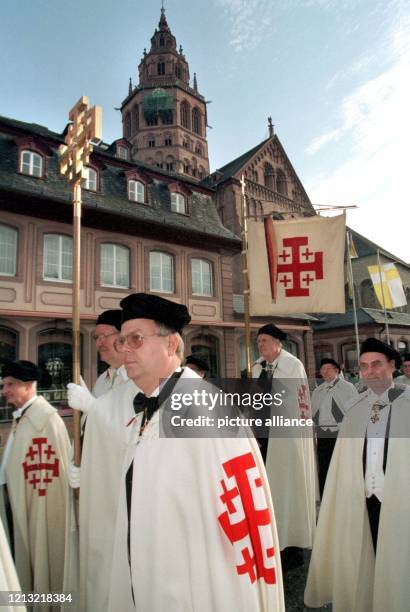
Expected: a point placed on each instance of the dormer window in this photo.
(178, 203)
(122, 152)
(91, 179)
(31, 163)
(136, 191)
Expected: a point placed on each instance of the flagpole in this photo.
(383, 298)
(350, 271)
(245, 277)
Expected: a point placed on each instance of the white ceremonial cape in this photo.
(342, 392)
(104, 447)
(290, 462)
(343, 569)
(36, 473)
(109, 379)
(203, 535)
(8, 576)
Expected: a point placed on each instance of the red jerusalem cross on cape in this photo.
(296, 266)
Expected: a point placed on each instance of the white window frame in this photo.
(8, 250)
(31, 163)
(122, 152)
(116, 249)
(178, 203)
(201, 287)
(63, 241)
(91, 180)
(136, 191)
(164, 259)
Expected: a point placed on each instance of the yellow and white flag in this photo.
(393, 291)
(296, 266)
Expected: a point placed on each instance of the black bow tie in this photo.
(147, 404)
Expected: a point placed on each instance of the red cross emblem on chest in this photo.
(298, 267)
(246, 521)
(40, 465)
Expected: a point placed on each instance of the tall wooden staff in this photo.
(84, 128)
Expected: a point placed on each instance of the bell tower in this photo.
(164, 116)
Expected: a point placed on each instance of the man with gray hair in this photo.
(181, 500)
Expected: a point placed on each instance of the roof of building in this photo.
(365, 316)
(111, 197)
(365, 247)
(228, 171)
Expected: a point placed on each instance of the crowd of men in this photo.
(215, 522)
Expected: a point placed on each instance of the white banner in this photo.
(296, 266)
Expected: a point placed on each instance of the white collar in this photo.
(17, 413)
(384, 397)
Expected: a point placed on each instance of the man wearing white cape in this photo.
(101, 461)
(290, 461)
(195, 525)
(360, 558)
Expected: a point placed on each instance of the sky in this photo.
(333, 74)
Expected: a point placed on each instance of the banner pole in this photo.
(383, 298)
(350, 272)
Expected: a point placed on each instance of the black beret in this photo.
(110, 317)
(373, 345)
(405, 357)
(197, 361)
(147, 306)
(21, 370)
(332, 362)
(271, 330)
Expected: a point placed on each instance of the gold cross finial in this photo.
(84, 129)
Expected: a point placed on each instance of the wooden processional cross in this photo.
(83, 130)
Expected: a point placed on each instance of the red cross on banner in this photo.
(296, 266)
(39, 470)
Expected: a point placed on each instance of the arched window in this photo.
(161, 272)
(115, 266)
(8, 250)
(161, 68)
(136, 191)
(127, 125)
(202, 278)
(54, 359)
(207, 348)
(136, 115)
(281, 185)
(8, 352)
(58, 258)
(367, 295)
(268, 176)
(178, 71)
(31, 163)
(196, 121)
(185, 115)
(91, 179)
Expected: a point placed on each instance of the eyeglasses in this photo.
(102, 337)
(363, 367)
(134, 340)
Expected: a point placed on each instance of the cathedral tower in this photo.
(164, 116)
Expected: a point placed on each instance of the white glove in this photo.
(73, 474)
(79, 397)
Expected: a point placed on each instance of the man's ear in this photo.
(172, 344)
